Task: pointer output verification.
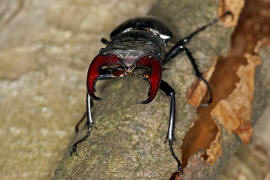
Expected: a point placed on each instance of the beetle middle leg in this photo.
(89, 123)
(198, 74)
(179, 47)
(170, 135)
(176, 51)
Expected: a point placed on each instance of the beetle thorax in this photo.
(131, 46)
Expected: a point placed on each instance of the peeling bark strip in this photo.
(196, 93)
(239, 78)
(262, 43)
(215, 150)
(234, 112)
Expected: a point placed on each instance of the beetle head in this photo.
(110, 66)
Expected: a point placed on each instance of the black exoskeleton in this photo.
(140, 44)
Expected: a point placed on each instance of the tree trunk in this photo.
(128, 141)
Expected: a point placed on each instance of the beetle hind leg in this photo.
(170, 135)
(79, 122)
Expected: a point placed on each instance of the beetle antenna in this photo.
(105, 41)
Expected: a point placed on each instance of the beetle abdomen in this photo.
(149, 24)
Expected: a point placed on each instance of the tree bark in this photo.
(128, 141)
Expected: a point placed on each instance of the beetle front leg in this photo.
(89, 123)
(170, 135)
(83, 117)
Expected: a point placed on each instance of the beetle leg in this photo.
(176, 49)
(82, 118)
(170, 135)
(79, 122)
(89, 123)
(105, 74)
(198, 74)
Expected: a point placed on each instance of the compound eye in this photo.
(94, 71)
(153, 78)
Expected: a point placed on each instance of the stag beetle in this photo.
(140, 44)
